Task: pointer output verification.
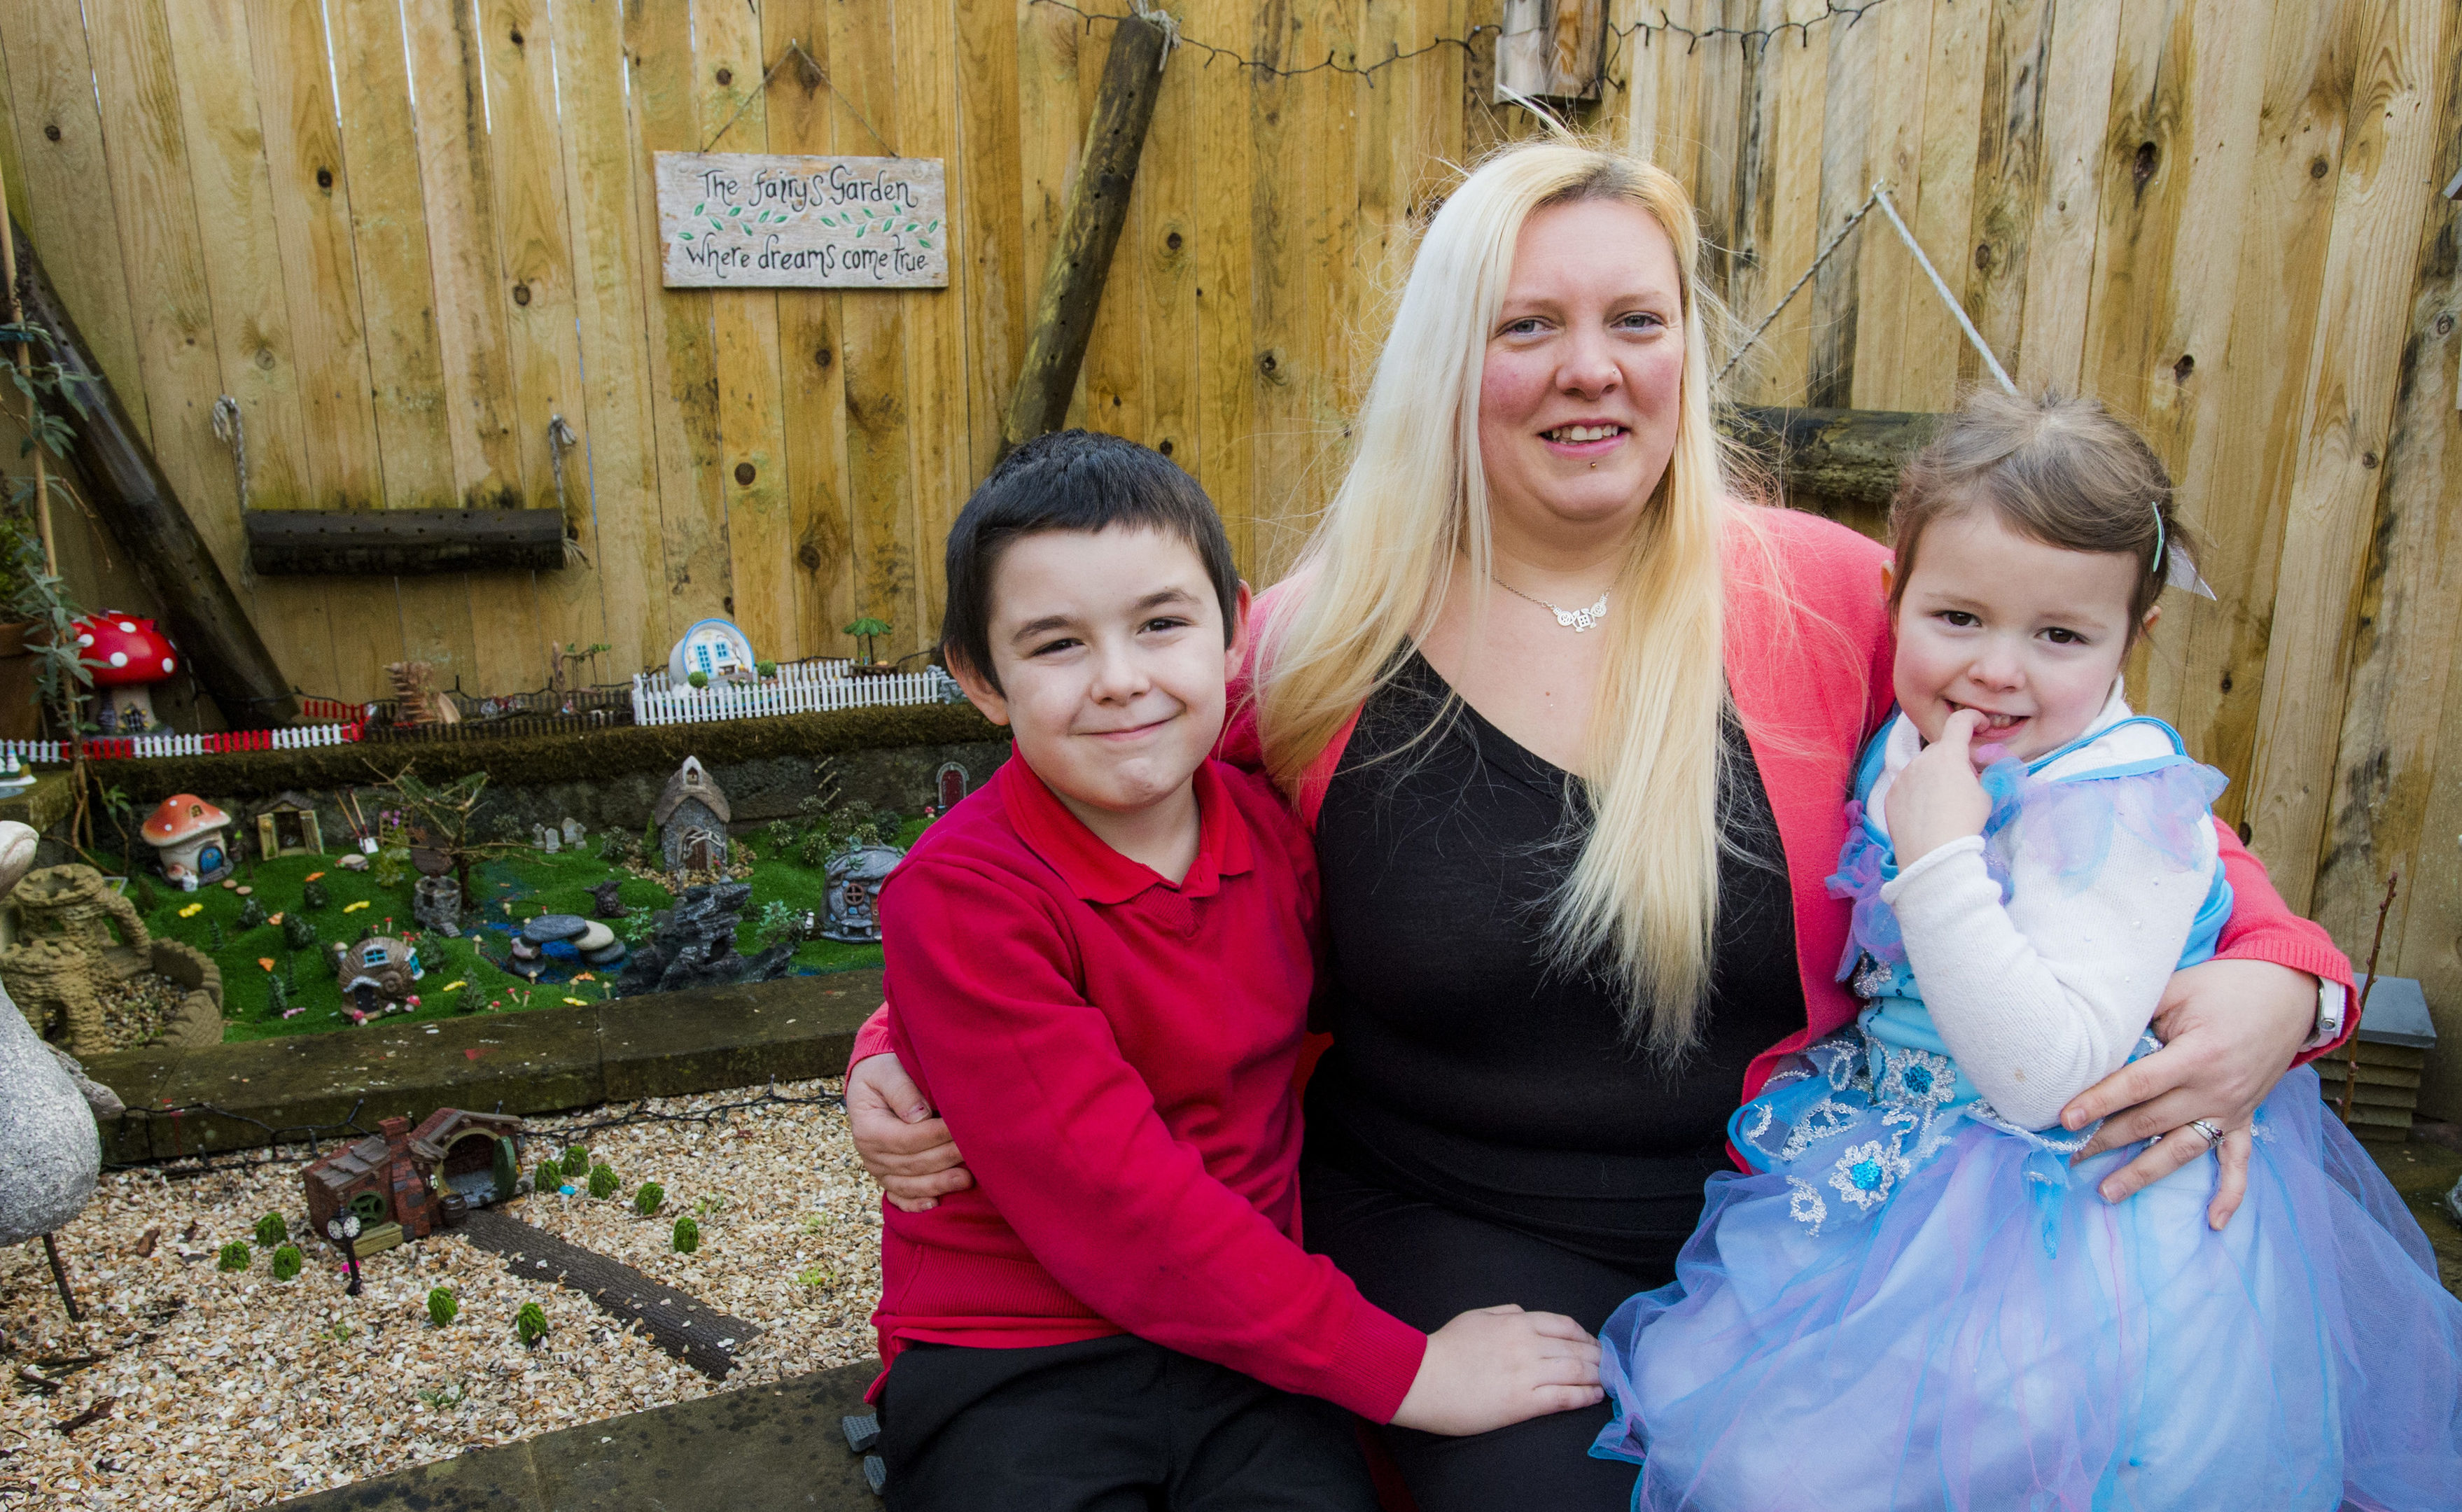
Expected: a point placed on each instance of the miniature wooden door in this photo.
(951, 783)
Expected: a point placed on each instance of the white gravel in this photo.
(233, 1389)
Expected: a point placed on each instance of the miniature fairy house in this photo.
(187, 835)
(401, 1175)
(711, 647)
(854, 879)
(376, 973)
(949, 784)
(126, 656)
(692, 813)
(288, 826)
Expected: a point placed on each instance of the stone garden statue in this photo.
(49, 1153)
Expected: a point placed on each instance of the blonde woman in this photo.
(1573, 726)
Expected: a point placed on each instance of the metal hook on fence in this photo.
(230, 430)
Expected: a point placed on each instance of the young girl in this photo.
(1915, 1300)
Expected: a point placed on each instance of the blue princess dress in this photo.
(1914, 1303)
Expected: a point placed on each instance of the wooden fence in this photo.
(404, 237)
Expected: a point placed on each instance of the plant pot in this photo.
(21, 718)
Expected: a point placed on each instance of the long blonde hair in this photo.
(1376, 570)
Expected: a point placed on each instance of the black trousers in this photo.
(1108, 1425)
(1424, 1263)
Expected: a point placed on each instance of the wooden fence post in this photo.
(126, 487)
(1081, 256)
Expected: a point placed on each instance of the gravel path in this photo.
(231, 1390)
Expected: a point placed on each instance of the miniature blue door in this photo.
(209, 859)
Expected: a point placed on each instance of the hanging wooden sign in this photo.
(740, 220)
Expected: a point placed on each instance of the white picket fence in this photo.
(808, 688)
(121, 748)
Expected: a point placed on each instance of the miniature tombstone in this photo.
(573, 833)
(854, 879)
(551, 839)
(692, 813)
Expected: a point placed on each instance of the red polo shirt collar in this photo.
(1100, 875)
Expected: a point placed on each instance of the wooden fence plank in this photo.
(2008, 168)
(1890, 286)
(2403, 694)
(881, 479)
(992, 230)
(928, 95)
(1853, 104)
(804, 117)
(233, 196)
(1790, 189)
(1277, 312)
(2390, 153)
(61, 135)
(2240, 469)
(2060, 247)
(616, 467)
(535, 269)
(1224, 449)
(684, 370)
(414, 413)
(1943, 217)
(751, 417)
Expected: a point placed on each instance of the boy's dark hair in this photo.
(1071, 480)
(2066, 471)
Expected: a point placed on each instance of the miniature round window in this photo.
(370, 1206)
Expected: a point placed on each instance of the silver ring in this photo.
(2210, 1128)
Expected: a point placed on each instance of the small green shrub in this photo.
(277, 997)
(143, 895)
(214, 934)
(531, 1322)
(298, 930)
(234, 1256)
(288, 1262)
(271, 1230)
(251, 913)
(647, 1201)
(576, 1160)
(442, 1309)
(602, 1180)
(313, 897)
(688, 1235)
(548, 1179)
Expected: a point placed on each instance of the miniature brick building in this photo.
(401, 1175)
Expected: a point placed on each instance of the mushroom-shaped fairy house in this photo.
(187, 835)
(127, 656)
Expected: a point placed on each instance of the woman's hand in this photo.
(2228, 1031)
(1936, 797)
(1494, 1367)
(906, 1149)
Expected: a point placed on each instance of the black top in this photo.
(1467, 1069)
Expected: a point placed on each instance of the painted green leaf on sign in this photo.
(686, 235)
(702, 206)
(934, 226)
(921, 243)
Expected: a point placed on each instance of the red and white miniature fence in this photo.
(805, 687)
(121, 748)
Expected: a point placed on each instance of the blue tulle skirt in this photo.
(1906, 1311)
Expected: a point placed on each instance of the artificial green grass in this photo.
(520, 885)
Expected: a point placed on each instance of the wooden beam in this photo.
(1849, 455)
(126, 487)
(395, 542)
(1081, 258)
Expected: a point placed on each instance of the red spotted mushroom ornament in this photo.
(187, 835)
(127, 656)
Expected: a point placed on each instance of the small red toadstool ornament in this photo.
(187, 835)
(127, 656)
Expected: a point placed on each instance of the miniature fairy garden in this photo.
(430, 909)
(220, 1362)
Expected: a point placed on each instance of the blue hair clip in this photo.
(2178, 571)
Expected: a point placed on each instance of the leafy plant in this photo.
(547, 1179)
(531, 1322)
(813, 1276)
(311, 896)
(576, 1160)
(298, 930)
(442, 1309)
(781, 924)
(687, 1235)
(287, 1263)
(214, 934)
(647, 1201)
(251, 913)
(141, 892)
(277, 997)
(696, 677)
(602, 1180)
(441, 1397)
(866, 631)
(271, 1230)
(234, 1256)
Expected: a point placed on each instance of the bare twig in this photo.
(2360, 1010)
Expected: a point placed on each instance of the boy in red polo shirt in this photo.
(1102, 964)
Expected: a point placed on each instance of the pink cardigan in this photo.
(1808, 653)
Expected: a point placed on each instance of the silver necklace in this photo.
(1576, 620)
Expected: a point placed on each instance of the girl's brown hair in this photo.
(2064, 471)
